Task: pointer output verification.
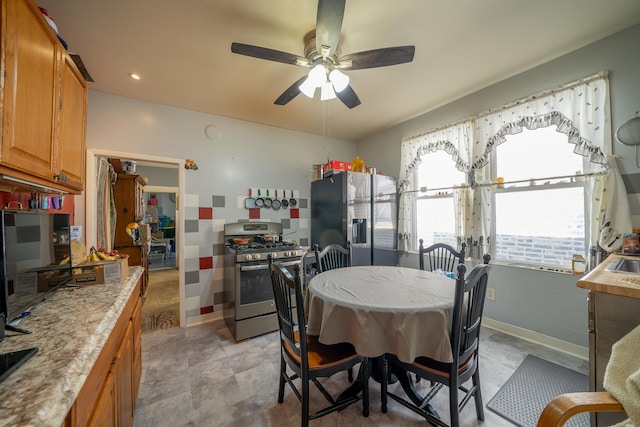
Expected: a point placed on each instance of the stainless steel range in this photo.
(249, 308)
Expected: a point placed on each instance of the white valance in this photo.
(454, 140)
(579, 110)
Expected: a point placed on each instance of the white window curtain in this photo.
(454, 140)
(609, 204)
(579, 109)
(105, 209)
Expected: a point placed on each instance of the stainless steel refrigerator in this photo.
(359, 208)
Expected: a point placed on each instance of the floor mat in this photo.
(534, 384)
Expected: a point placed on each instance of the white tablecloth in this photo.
(381, 309)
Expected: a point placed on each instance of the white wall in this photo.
(239, 155)
(545, 303)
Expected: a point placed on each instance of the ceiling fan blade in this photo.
(291, 92)
(378, 57)
(268, 54)
(348, 97)
(328, 25)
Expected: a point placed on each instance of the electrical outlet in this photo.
(491, 294)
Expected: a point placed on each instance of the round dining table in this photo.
(383, 309)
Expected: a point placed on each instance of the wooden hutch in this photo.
(128, 194)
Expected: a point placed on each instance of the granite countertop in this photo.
(623, 284)
(70, 329)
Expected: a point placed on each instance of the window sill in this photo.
(556, 270)
(545, 269)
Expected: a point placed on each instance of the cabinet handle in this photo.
(591, 308)
(60, 177)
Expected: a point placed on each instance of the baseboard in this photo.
(205, 318)
(537, 338)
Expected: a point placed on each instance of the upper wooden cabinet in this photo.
(44, 103)
(72, 125)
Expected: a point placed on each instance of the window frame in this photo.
(416, 243)
(423, 195)
(576, 181)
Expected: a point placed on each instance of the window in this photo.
(540, 221)
(539, 216)
(434, 208)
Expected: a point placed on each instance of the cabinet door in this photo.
(104, 414)
(124, 379)
(611, 317)
(72, 126)
(136, 323)
(139, 202)
(30, 80)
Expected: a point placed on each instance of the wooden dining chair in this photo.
(304, 355)
(561, 408)
(440, 256)
(332, 256)
(464, 337)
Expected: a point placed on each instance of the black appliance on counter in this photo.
(360, 208)
(35, 260)
(249, 306)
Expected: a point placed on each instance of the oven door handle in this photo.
(266, 266)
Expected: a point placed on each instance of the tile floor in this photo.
(198, 376)
(156, 262)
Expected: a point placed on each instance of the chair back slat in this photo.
(440, 256)
(467, 311)
(333, 256)
(287, 292)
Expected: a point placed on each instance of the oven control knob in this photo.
(274, 255)
(248, 257)
(257, 256)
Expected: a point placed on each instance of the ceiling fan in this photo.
(322, 57)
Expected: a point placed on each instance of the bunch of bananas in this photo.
(97, 255)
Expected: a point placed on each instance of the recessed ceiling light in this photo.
(134, 76)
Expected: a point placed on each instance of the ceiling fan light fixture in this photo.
(339, 80)
(308, 87)
(327, 91)
(317, 78)
(318, 75)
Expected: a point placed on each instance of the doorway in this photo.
(162, 214)
(172, 168)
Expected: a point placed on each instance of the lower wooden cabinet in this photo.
(138, 255)
(108, 397)
(123, 372)
(105, 407)
(611, 317)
